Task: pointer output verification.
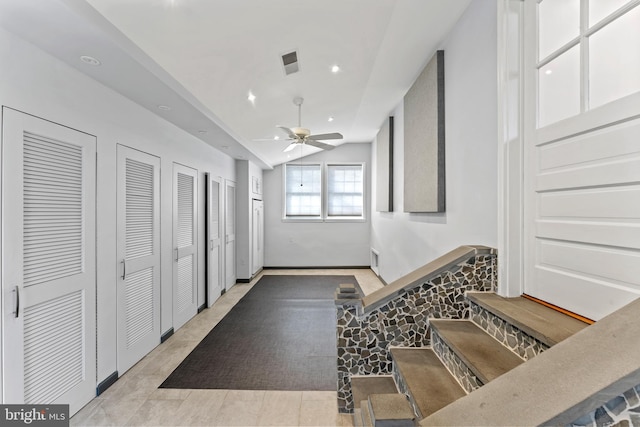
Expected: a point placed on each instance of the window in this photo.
(332, 193)
(303, 186)
(345, 191)
(587, 55)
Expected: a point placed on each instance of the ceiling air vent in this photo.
(290, 62)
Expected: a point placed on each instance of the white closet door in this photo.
(257, 236)
(230, 234)
(214, 252)
(138, 271)
(185, 251)
(48, 274)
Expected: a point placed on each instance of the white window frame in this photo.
(324, 180)
(301, 218)
(325, 194)
(582, 42)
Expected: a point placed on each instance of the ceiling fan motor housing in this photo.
(301, 132)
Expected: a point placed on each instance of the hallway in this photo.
(136, 400)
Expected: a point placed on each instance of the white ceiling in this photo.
(203, 57)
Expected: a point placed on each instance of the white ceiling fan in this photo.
(299, 135)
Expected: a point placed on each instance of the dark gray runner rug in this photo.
(280, 336)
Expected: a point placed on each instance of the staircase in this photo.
(465, 354)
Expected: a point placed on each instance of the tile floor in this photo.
(136, 400)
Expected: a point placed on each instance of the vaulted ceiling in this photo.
(203, 58)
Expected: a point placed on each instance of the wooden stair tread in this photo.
(362, 387)
(430, 384)
(543, 323)
(390, 410)
(483, 355)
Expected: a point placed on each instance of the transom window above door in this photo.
(588, 55)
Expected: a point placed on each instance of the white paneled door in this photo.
(185, 248)
(257, 236)
(138, 270)
(230, 234)
(582, 169)
(48, 263)
(214, 231)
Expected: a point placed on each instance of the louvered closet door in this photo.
(48, 277)
(185, 252)
(138, 270)
(214, 253)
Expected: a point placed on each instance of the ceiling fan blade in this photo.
(319, 144)
(334, 135)
(290, 147)
(288, 132)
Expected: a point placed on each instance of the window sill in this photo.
(320, 220)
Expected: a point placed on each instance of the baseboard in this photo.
(166, 335)
(202, 307)
(343, 267)
(108, 382)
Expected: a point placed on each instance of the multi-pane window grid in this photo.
(586, 55)
(305, 196)
(303, 190)
(345, 190)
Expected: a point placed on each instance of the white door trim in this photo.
(510, 148)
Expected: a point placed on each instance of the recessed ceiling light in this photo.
(330, 119)
(276, 137)
(90, 60)
(164, 107)
(335, 69)
(251, 97)
(548, 72)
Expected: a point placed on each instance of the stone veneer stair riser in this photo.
(623, 410)
(510, 336)
(364, 338)
(467, 380)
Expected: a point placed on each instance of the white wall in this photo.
(316, 244)
(408, 241)
(36, 83)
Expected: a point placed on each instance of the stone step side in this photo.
(357, 418)
(390, 410)
(485, 357)
(543, 323)
(424, 379)
(363, 386)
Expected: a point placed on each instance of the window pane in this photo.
(303, 190)
(559, 86)
(599, 9)
(614, 60)
(558, 23)
(345, 190)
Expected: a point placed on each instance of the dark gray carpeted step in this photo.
(544, 324)
(390, 410)
(430, 384)
(362, 387)
(482, 354)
